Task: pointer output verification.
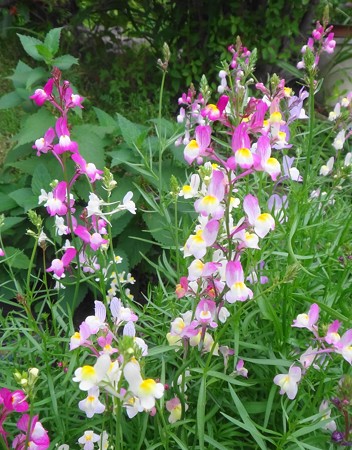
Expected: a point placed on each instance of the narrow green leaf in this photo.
(202, 399)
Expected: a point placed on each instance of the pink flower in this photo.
(198, 146)
(262, 223)
(58, 265)
(263, 160)
(288, 382)
(88, 168)
(55, 201)
(65, 144)
(38, 438)
(215, 112)
(210, 203)
(40, 96)
(308, 320)
(332, 336)
(2, 253)
(206, 312)
(197, 244)
(95, 240)
(235, 281)
(43, 145)
(344, 346)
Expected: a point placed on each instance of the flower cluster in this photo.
(31, 432)
(321, 40)
(230, 219)
(91, 225)
(113, 342)
(331, 342)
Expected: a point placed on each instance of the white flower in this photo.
(288, 382)
(89, 376)
(92, 405)
(88, 439)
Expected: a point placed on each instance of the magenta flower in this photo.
(241, 146)
(38, 438)
(2, 253)
(88, 168)
(235, 281)
(308, 320)
(40, 96)
(95, 240)
(215, 112)
(43, 145)
(56, 200)
(65, 144)
(58, 266)
(72, 100)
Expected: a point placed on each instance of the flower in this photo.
(88, 168)
(89, 376)
(146, 390)
(288, 382)
(92, 405)
(308, 320)
(35, 434)
(174, 407)
(262, 222)
(58, 265)
(88, 439)
(198, 146)
(235, 281)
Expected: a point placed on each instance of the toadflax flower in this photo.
(92, 405)
(261, 222)
(88, 439)
(89, 376)
(146, 390)
(288, 382)
(58, 265)
(308, 320)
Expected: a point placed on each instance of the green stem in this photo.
(311, 123)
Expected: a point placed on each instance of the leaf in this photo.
(30, 46)
(6, 202)
(91, 145)
(16, 258)
(52, 40)
(34, 127)
(64, 62)
(156, 227)
(36, 75)
(10, 100)
(105, 119)
(133, 247)
(123, 155)
(24, 197)
(130, 131)
(20, 74)
(44, 52)
(41, 179)
(11, 222)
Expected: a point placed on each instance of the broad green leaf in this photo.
(52, 40)
(41, 179)
(133, 247)
(91, 146)
(16, 258)
(24, 197)
(26, 166)
(123, 155)
(30, 46)
(34, 127)
(20, 74)
(65, 62)
(10, 100)
(130, 131)
(44, 52)
(11, 222)
(105, 119)
(156, 227)
(6, 202)
(37, 74)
